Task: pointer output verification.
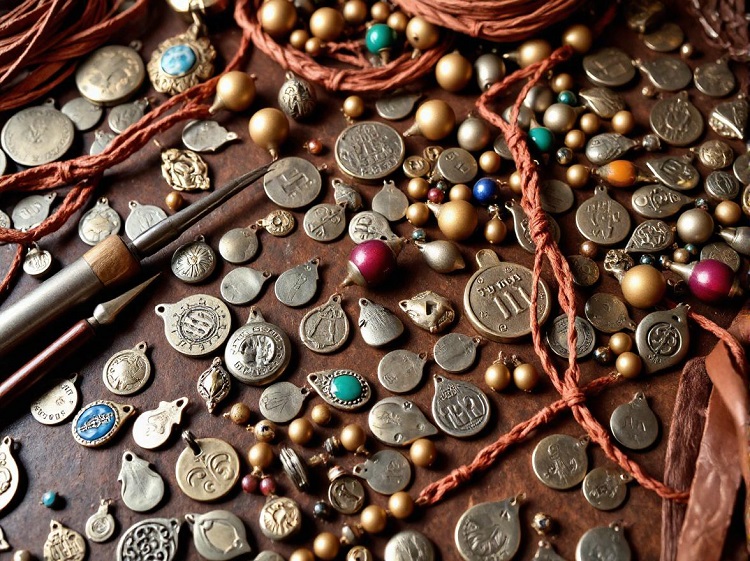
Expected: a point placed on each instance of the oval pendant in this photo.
(297, 286)
(325, 329)
(99, 223)
(608, 313)
(239, 245)
(196, 325)
(193, 262)
(676, 121)
(206, 136)
(496, 519)
(342, 388)
(141, 218)
(663, 339)
(243, 285)
(603, 220)
(369, 225)
(127, 371)
(57, 404)
(100, 526)
(63, 544)
(98, 422)
(401, 371)
(557, 337)
(207, 468)
(214, 384)
(278, 223)
(182, 61)
(560, 461)
(31, 211)
(605, 147)
(142, 488)
(396, 421)
(459, 408)
(651, 236)
(280, 518)
(657, 201)
(281, 402)
(386, 472)
(377, 324)
(152, 428)
(634, 424)
(675, 172)
(154, 537)
(604, 542)
(9, 473)
(391, 202)
(218, 535)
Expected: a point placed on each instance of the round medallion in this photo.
(489, 531)
(557, 337)
(196, 325)
(634, 424)
(459, 408)
(325, 329)
(37, 135)
(455, 352)
(605, 489)
(141, 218)
(676, 121)
(604, 542)
(57, 404)
(585, 271)
(343, 389)
(324, 222)
(369, 151)
(408, 545)
(127, 371)
(369, 225)
(386, 472)
(194, 262)
(241, 286)
(207, 468)
(100, 526)
(401, 371)
(84, 114)
(292, 182)
(110, 75)
(154, 538)
(99, 223)
(239, 245)
(258, 352)
(346, 494)
(560, 461)
(278, 223)
(280, 518)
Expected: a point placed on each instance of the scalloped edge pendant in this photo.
(323, 381)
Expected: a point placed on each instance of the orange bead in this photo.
(619, 173)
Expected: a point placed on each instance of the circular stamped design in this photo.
(634, 424)
(196, 325)
(100, 526)
(455, 352)
(37, 136)
(585, 271)
(154, 538)
(325, 329)
(99, 223)
(605, 489)
(676, 121)
(346, 494)
(408, 545)
(194, 262)
(557, 337)
(560, 461)
(57, 404)
(257, 353)
(292, 182)
(207, 468)
(280, 518)
(496, 519)
(127, 371)
(722, 252)
(460, 409)
(110, 75)
(369, 151)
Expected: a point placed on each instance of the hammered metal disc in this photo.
(369, 151)
(196, 325)
(292, 182)
(560, 461)
(557, 337)
(37, 135)
(207, 469)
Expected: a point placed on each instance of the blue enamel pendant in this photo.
(98, 422)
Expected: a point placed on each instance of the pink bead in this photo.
(250, 484)
(267, 485)
(435, 195)
(711, 280)
(374, 260)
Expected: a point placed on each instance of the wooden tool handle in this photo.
(111, 261)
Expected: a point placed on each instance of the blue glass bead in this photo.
(485, 190)
(346, 388)
(541, 138)
(178, 60)
(647, 260)
(96, 422)
(418, 235)
(322, 510)
(49, 499)
(567, 97)
(379, 37)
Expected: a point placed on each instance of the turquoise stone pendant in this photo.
(182, 61)
(343, 389)
(98, 422)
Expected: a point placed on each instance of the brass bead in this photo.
(421, 34)
(327, 24)
(575, 139)
(239, 414)
(620, 343)
(355, 12)
(695, 226)
(353, 107)
(321, 414)
(264, 431)
(269, 128)
(497, 376)
(687, 50)
(495, 231)
(398, 21)
(728, 213)
(589, 249)
(681, 255)
(515, 183)
(352, 437)
(373, 519)
(299, 38)
(260, 455)
(457, 220)
(417, 188)
(301, 431)
(313, 46)
(533, 51)
(174, 201)
(234, 91)
(434, 120)
(423, 452)
(277, 17)
(460, 192)
(577, 176)
(490, 161)
(623, 122)
(561, 82)
(380, 12)
(326, 546)
(579, 37)
(401, 505)
(643, 286)
(525, 377)
(628, 365)
(418, 214)
(453, 72)
(302, 554)
(589, 123)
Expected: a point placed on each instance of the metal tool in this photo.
(112, 262)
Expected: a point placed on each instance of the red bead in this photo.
(435, 195)
(711, 280)
(374, 260)
(250, 484)
(267, 485)
(314, 146)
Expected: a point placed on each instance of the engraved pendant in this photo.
(325, 329)
(604, 542)
(560, 461)
(243, 285)
(325, 222)
(193, 262)
(396, 421)
(127, 371)
(63, 544)
(281, 402)
(608, 313)
(456, 352)
(37, 262)
(377, 324)
(280, 518)
(196, 325)
(345, 194)
(99, 223)
(152, 428)
(141, 218)
(610, 67)
(57, 404)
(675, 172)
(459, 408)
(634, 424)
(218, 535)
(391, 202)
(184, 170)
(729, 119)
(278, 223)
(651, 236)
(214, 384)
(206, 136)
(342, 388)
(663, 339)
(657, 201)
(715, 78)
(31, 211)
(498, 521)
(9, 473)
(605, 488)
(676, 121)
(386, 472)
(126, 115)
(369, 225)
(401, 371)
(151, 538)
(142, 488)
(603, 220)
(100, 526)
(207, 468)
(605, 147)
(666, 73)
(297, 286)
(98, 422)
(429, 310)
(604, 102)
(292, 182)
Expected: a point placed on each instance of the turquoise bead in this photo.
(567, 97)
(346, 388)
(49, 499)
(542, 138)
(178, 60)
(379, 37)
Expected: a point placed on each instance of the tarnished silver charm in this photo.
(100, 526)
(98, 422)
(396, 106)
(545, 552)
(369, 225)
(604, 102)
(396, 421)
(141, 218)
(605, 147)
(457, 165)
(214, 384)
(715, 154)
(206, 136)
(153, 536)
(634, 424)
(429, 310)
(37, 135)
(401, 371)
(442, 256)
(651, 236)
(676, 172)
(281, 402)
(125, 115)
(280, 518)
(377, 324)
(292, 182)
(555, 196)
(604, 542)
(99, 223)
(297, 97)
(9, 473)
(325, 222)
(110, 75)
(608, 313)
(609, 67)
(342, 388)
(663, 339)
(391, 202)
(84, 114)
(585, 271)
(676, 121)
(218, 535)
(489, 531)
(142, 488)
(268, 556)
(102, 140)
(605, 488)
(63, 544)
(666, 38)
(657, 201)
(197, 325)
(522, 229)
(386, 472)
(325, 329)
(557, 337)
(193, 262)
(459, 408)
(127, 371)
(31, 211)
(57, 404)
(243, 285)
(720, 251)
(369, 151)
(297, 286)
(456, 352)
(666, 73)
(602, 219)
(560, 461)
(715, 78)
(239, 245)
(409, 545)
(37, 262)
(729, 118)
(722, 186)
(207, 468)
(152, 428)
(346, 195)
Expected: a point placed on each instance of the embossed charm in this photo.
(95, 77)
(297, 286)
(258, 352)
(141, 218)
(429, 310)
(634, 424)
(214, 384)
(651, 236)
(608, 313)
(456, 352)
(602, 220)
(31, 211)
(325, 222)
(369, 225)
(715, 78)
(98, 422)
(182, 61)
(522, 230)
(560, 461)
(605, 489)
(37, 135)
(37, 262)
(391, 202)
(396, 421)
(297, 97)
(126, 115)
(127, 371)
(557, 336)
(196, 325)
(207, 468)
(377, 324)
(604, 542)
(666, 73)
(281, 402)
(292, 182)
(9, 473)
(369, 151)
(280, 518)
(154, 537)
(676, 121)
(345, 493)
(663, 339)
(459, 408)
(63, 544)
(401, 371)
(602, 101)
(218, 535)
(184, 170)
(206, 136)
(489, 531)
(100, 526)
(609, 67)
(325, 329)
(342, 388)
(729, 118)
(142, 488)
(99, 223)
(674, 172)
(193, 262)
(386, 472)
(57, 404)
(152, 428)
(605, 147)
(657, 201)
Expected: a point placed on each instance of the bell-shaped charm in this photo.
(297, 97)
(490, 69)
(442, 256)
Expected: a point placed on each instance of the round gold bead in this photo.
(353, 107)
(418, 214)
(327, 24)
(575, 140)
(495, 231)
(421, 34)
(301, 431)
(453, 72)
(355, 12)
(526, 377)
(687, 50)
(490, 161)
(681, 255)
(620, 343)
(728, 213)
(401, 505)
(398, 21)
(629, 365)
(533, 51)
(457, 220)
(589, 123)
(460, 192)
(352, 437)
(321, 414)
(239, 414)
(174, 201)
(326, 546)
(268, 129)
(577, 176)
(264, 431)
(623, 122)
(260, 455)
(589, 249)
(515, 183)
(423, 452)
(299, 38)
(235, 90)
(277, 17)
(643, 286)
(417, 188)
(380, 12)
(435, 119)
(561, 82)
(302, 554)
(497, 376)
(373, 519)
(314, 46)
(579, 37)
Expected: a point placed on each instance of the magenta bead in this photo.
(267, 485)
(250, 484)
(374, 260)
(435, 195)
(711, 280)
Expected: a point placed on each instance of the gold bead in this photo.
(423, 452)
(398, 21)
(269, 128)
(234, 91)
(314, 46)
(457, 220)
(687, 50)
(620, 343)
(239, 414)
(298, 38)
(327, 24)
(401, 505)
(260, 455)
(495, 231)
(453, 72)
(589, 249)
(575, 139)
(460, 192)
(22, 555)
(681, 255)
(355, 12)
(326, 546)
(533, 51)
(418, 214)
(264, 431)
(302, 554)
(628, 365)
(490, 161)
(497, 376)
(579, 37)
(728, 213)
(515, 183)
(321, 414)
(589, 123)
(643, 286)
(623, 122)
(352, 437)
(174, 201)
(301, 431)
(421, 34)
(380, 12)
(353, 107)
(577, 176)
(373, 519)
(525, 377)
(562, 82)
(434, 120)
(277, 17)
(418, 188)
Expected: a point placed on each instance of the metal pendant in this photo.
(141, 218)
(37, 262)
(441, 256)
(63, 544)
(545, 552)
(127, 371)
(31, 211)
(152, 428)
(182, 61)
(386, 472)
(429, 310)
(280, 518)
(243, 285)
(193, 262)
(84, 114)
(609, 67)
(100, 526)
(4, 218)
(9, 473)
(196, 325)
(666, 73)
(644, 15)
(416, 166)
(715, 78)
(278, 223)
(391, 202)
(604, 542)
(154, 537)
(459, 408)
(557, 337)
(281, 402)
(560, 461)
(184, 170)
(99, 223)
(258, 352)
(666, 38)
(126, 115)
(142, 488)
(634, 424)
(603, 102)
(729, 119)
(489, 531)
(456, 165)
(292, 182)
(722, 186)
(369, 225)
(497, 299)
(99, 421)
(207, 468)
(342, 388)
(397, 106)
(94, 77)
(605, 489)
(401, 371)
(715, 154)
(214, 384)
(297, 97)
(651, 236)
(369, 151)
(585, 271)
(522, 230)
(346, 195)
(657, 201)
(345, 493)
(456, 352)
(297, 286)
(37, 135)
(675, 172)
(57, 404)
(325, 329)
(663, 339)
(605, 147)
(408, 545)
(239, 245)
(720, 251)
(602, 219)
(608, 313)
(377, 324)
(617, 262)
(268, 556)
(218, 535)
(102, 140)
(556, 196)
(676, 121)
(325, 222)
(206, 136)
(396, 421)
